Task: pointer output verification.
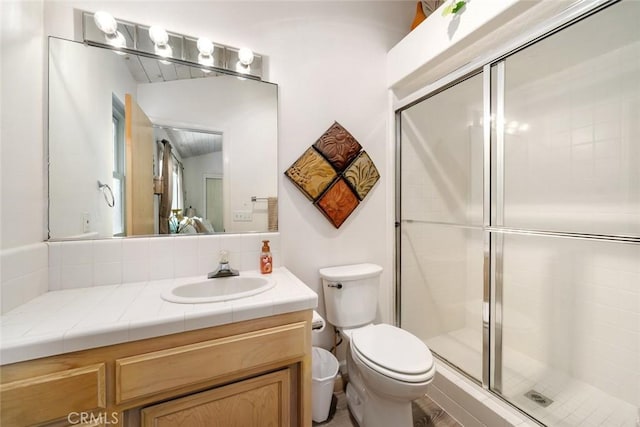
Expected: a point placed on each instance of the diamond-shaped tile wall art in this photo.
(312, 174)
(362, 174)
(337, 202)
(335, 173)
(338, 146)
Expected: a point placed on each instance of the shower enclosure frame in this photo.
(493, 230)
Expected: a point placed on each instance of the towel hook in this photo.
(102, 187)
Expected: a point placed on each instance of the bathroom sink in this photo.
(220, 289)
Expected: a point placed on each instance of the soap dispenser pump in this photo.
(266, 260)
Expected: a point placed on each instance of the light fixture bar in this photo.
(173, 47)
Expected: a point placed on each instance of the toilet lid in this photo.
(393, 349)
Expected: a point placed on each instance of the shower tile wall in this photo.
(571, 145)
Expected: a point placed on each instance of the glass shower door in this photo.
(567, 209)
(441, 218)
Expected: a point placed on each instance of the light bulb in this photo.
(105, 22)
(205, 60)
(242, 69)
(245, 55)
(116, 40)
(158, 35)
(164, 51)
(205, 46)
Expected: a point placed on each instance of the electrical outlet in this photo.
(86, 222)
(242, 216)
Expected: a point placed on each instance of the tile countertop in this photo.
(78, 319)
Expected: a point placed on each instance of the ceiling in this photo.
(190, 143)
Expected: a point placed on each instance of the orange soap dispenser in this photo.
(266, 260)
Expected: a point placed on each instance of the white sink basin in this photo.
(220, 289)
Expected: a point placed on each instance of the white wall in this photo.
(23, 260)
(82, 81)
(328, 60)
(22, 172)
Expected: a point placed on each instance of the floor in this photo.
(425, 414)
(575, 403)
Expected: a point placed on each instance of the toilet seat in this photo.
(393, 352)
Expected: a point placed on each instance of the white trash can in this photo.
(324, 368)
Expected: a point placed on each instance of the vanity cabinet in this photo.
(251, 373)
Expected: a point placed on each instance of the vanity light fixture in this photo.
(245, 55)
(245, 59)
(205, 55)
(117, 41)
(105, 22)
(101, 29)
(158, 35)
(108, 25)
(205, 47)
(160, 39)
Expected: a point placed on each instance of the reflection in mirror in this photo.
(196, 178)
(178, 149)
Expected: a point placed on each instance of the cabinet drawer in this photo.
(159, 371)
(49, 397)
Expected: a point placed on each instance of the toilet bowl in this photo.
(388, 367)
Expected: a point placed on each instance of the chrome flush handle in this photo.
(335, 285)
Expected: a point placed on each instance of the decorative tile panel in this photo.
(311, 173)
(338, 202)
(335, 173)
(338, 146)
(362, 174)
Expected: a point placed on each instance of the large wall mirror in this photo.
(138, 146)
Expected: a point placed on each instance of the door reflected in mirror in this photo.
(180, 150)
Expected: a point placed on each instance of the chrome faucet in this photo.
(224, 269)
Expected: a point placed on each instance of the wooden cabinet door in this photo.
(138, 169)
(257, 402)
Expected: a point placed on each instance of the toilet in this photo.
(388, 367)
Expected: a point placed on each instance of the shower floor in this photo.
(575, 403)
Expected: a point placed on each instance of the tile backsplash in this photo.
(107, 262)
(29, 271)
(23, 275)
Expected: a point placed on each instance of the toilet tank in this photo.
(351, 294)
